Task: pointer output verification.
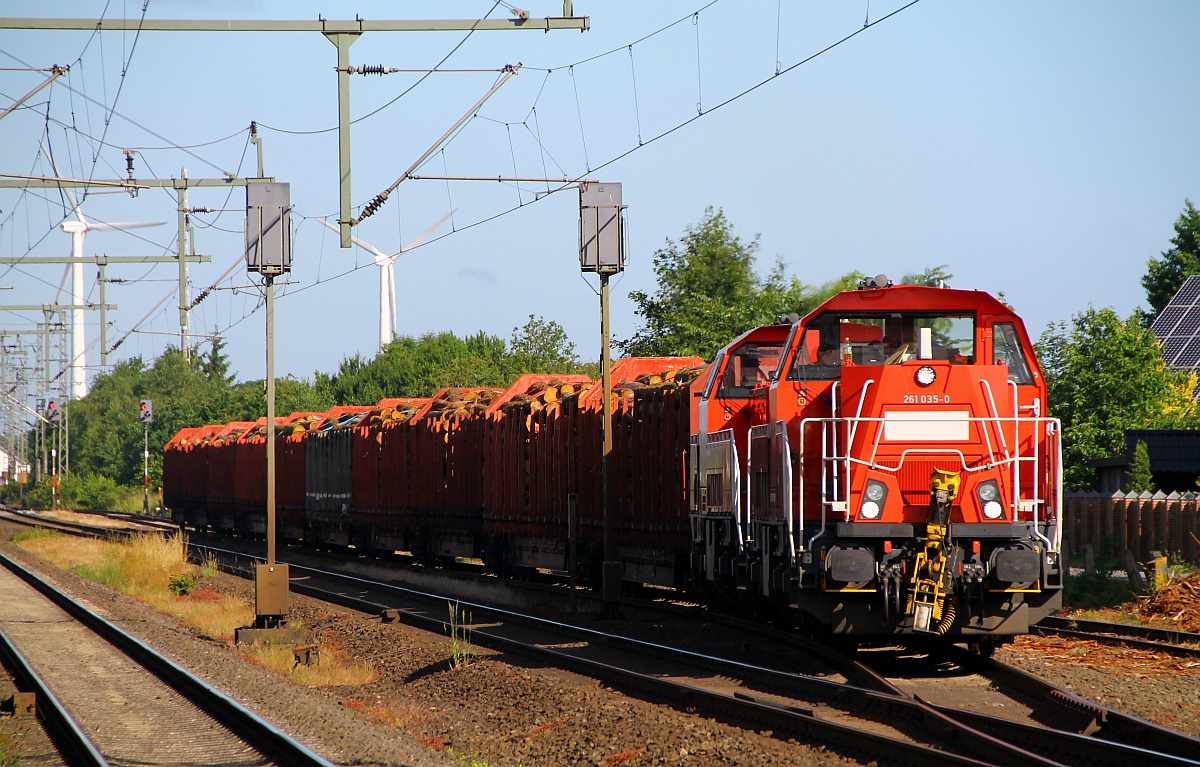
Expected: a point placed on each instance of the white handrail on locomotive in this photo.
(830, 476)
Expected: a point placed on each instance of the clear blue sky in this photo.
(1042, 150)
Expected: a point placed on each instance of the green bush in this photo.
(39, 496)
(90, 491)
(183, 584)
(78, 491)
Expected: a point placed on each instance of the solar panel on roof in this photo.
(1190, 356)
(1171, 348)
(1177, 327)
(1188, 292)
(1167, 319)
(1190, 323)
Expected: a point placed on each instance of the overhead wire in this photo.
(170, 144)
(591, 170)
(399, 96)
(535, 132)
(121, 81)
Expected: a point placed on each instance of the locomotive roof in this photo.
(900, 298)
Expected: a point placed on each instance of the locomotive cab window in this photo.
(831, 341)
(1007, 351)
(747, 367)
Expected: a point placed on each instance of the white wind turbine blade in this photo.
(380, 260)
(62, 284)
(78, 230)
(389, 268)
(121, 226)
(422, 236)
(387, 276)
(374, 251)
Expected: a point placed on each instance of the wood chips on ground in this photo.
(1176, 605)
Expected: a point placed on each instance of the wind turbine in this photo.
(78, 230)
(387, 276)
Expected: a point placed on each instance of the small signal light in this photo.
(146, 411)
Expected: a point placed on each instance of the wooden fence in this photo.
(1138, 522)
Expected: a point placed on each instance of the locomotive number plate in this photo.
(926, 399)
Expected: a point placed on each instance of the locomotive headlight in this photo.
(925, 375)
(876, 491)
(989, 498)
(875, 495)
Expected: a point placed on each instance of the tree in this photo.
(932, 277)
(1106, 375)
(708, 293)
(1165, 275)
(542, 346)
(418, 367)
(1140, 478)
(215, 364)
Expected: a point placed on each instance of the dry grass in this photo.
(147, 568)
(143, 569)
(65, 552)
(331, 671)
(401, 717)
(91, 520)
(10, 751)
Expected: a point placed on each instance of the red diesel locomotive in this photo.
(886, 465)
(882, 467)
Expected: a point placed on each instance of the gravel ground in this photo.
(502, 712)
(1155, 687)
(496, 712)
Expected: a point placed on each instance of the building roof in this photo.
(1170, 450)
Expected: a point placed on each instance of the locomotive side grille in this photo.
(716, 490)
(761, 491)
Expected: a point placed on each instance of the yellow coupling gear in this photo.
(943, 488)
(928, 603)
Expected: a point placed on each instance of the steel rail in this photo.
(1122, 738)
(1074, 747)
(891, 707)
(263, 736)
(1119, 739)
(73, 744)
(1100, 721)
(1143, 637)
(744, 708)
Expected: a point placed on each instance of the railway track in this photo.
(130, 701)
(876, 715)
(1085, 733)
(49, 736)
(873, 716)
(1181, 643)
